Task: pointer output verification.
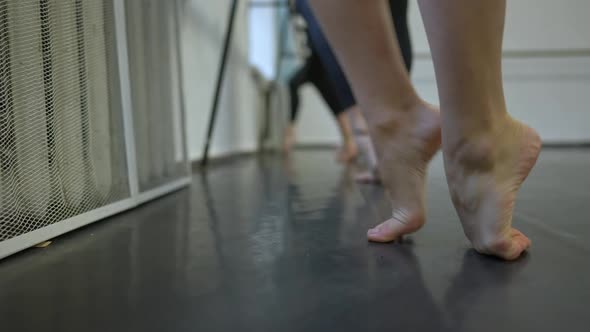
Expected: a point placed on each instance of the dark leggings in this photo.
(322, 68)
(399, 14)
(313, 72)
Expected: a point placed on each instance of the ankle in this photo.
(476, 138)
(383, 114)
(420, 119)
(290, 129)
(348, 140)
(476, 123)
(473, 153)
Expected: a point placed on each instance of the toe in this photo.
(520, 242)
(519, 236)
(376, 234)
(512, 247)
(391, 229)
(382, 232)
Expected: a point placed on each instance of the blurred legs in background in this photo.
(330, 67)
(313, 72)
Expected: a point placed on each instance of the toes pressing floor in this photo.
(266, 245)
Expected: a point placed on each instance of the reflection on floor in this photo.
(269, 245)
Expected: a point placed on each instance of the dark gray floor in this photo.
(268, 246)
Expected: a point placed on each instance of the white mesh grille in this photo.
(61, 133)
(155, 86)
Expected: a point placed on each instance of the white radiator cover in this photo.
(91, 118)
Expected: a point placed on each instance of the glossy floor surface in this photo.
(264, 245)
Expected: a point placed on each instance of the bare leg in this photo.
(404, 129)
(289, 138)
(348, 152)
(487, 153)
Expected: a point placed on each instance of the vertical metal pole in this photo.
(222, 66)
(178, 31)
(127, 104)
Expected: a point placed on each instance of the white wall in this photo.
(551, 93)
(263, 38)
(203, 25)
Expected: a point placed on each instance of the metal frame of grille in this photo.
(84, 134)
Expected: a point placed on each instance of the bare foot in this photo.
(405, 143)
(368, 158)
(368, 177)
(484, 175)
(348, 152)
(289, 139)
